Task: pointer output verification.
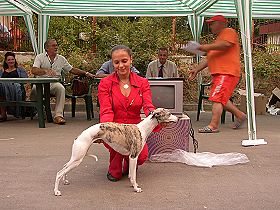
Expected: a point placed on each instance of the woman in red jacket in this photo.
(122, 95)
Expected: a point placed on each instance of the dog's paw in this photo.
(57, 193)
(66, 182)
(138, 189)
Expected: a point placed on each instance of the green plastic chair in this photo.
(87, 98)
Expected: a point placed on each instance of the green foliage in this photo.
(266, 64)
(183, 31)
(144, 35)
(66, 31)
(266, 70)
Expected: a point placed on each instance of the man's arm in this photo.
(99, 75)
(220, 45)
(81, 72)
(104, 70)
(133, 69)
(175, 74)
(149, 72)
(43, 71)
(38, 71)
(202, 65)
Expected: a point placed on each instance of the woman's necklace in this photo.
(10, 69)
(125, 85)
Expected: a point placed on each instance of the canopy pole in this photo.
(30, 26)
(43, 28)
(196, 24)
(244, 13)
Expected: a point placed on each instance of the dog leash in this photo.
(192, 133)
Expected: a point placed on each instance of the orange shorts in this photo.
(222, 87)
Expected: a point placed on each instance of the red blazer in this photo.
(115, 107)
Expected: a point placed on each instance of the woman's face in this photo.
(121, 61)
(10, 60)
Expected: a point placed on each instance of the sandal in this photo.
(59, 120)
(238, 123)
(3, 119)
(206, 129)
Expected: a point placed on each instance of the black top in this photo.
(12, 74)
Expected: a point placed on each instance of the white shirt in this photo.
(169, 69)
(60, 63)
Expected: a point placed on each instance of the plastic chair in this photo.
(26, 111)
(202, 96)
(87, 98)
(96, 83)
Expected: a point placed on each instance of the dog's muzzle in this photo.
(173, 118)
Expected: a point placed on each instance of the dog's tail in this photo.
(94, 156)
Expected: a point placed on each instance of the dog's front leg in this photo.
(132, 173)
(65, 181)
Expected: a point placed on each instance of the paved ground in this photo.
(29, 162)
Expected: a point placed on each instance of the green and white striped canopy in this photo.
(13, 8)
(196, 8)
(260, 8)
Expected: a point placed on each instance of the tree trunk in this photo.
(93, 26)
(173, 33)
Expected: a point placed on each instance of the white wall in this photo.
(273, 41)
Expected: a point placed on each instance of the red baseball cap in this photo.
(219, 18)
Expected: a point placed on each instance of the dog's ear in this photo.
(155, 115)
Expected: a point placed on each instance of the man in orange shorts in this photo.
(223, 61)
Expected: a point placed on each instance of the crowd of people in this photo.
(122, 92)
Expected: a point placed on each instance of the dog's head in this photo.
(163, 115)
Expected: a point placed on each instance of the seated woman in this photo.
(122, 95)
(11, 91)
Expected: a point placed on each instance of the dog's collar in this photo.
(152, 113)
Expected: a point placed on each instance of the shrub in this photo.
(266, 70)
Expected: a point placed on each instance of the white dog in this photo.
(127, 139)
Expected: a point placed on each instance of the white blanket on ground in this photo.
(204, 159)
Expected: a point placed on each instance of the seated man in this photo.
(162, 67)
(51, 64)
(108, 68)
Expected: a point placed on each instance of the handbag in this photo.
(80, 86)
